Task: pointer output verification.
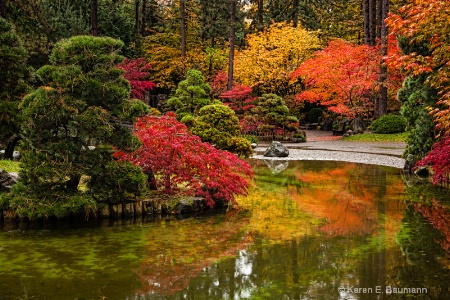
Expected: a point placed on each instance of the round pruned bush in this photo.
(388, 124)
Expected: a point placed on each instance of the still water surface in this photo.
(308, 230)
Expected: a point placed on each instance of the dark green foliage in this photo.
(71, 125)
(388, 124)
(314, 114)
(191, 95)
(117, 181)
(217, 124)
(416, 96)
(272, 111)
(14, 73)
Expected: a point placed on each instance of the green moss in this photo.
(378, 137)
(10, 166)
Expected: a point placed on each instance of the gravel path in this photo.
(323, 146)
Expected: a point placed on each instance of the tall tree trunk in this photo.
(295, 13)
(3, 9)
(260, 14)
(144, 17)
(94, 17)
(232, 42)
(137, 27)
(366, 10)
(382, 105)
(373, 22)
(183, 28)
(9, 151)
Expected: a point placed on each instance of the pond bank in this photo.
(126, 213)
(322, 145)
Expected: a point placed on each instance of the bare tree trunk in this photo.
(373, 22)
(144, 17)
(183, 28)
(295, 13)
(3, 11)
(260, 14)
(382, 105)
(232, 42)
(366, 11)
(137, 38)
(94, 15)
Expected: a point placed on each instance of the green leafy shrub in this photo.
(314, 114)
(298, 137)
(217, 124)
(252, 139)
(389, 124)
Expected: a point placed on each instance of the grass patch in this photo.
(377, 137)
(10, 166)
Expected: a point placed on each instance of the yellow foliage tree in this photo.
(163, 53)
(272, 55)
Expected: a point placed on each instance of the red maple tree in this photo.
(183, 164)
(137, 72)
(239, 98)
(439, 160)
(342, 77)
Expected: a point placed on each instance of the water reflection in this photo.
(303, 233)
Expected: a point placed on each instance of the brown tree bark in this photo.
(295, 7)
(183, 28)
(366, 12)
(373, 22)
(381, 108)
(137, 40)
(94, 17)
(144, 17)
(232, 44)
(3, 11)
(260, 14)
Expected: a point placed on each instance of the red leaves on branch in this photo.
(137, 72)
(239, 98)
(183, 164)
(439, 159)
(342, 77)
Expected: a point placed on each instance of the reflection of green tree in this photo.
(424, 257)
(88, 262)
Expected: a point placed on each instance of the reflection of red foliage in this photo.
(183, 164)
(170, 265)
(347, 209)
(439, 216)
(137, 72)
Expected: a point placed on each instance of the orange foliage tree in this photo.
(426, 23)
(343, 76)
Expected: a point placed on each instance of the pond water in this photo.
(308, 230)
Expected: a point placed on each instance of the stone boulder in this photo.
(358, 126)
(276, 149)
(7, 180)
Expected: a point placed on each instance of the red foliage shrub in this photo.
(239, 98)
(439, 159)
(137, 72)
(183, 164)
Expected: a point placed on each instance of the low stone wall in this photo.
(114, 214)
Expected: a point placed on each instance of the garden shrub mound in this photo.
(389, 124)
